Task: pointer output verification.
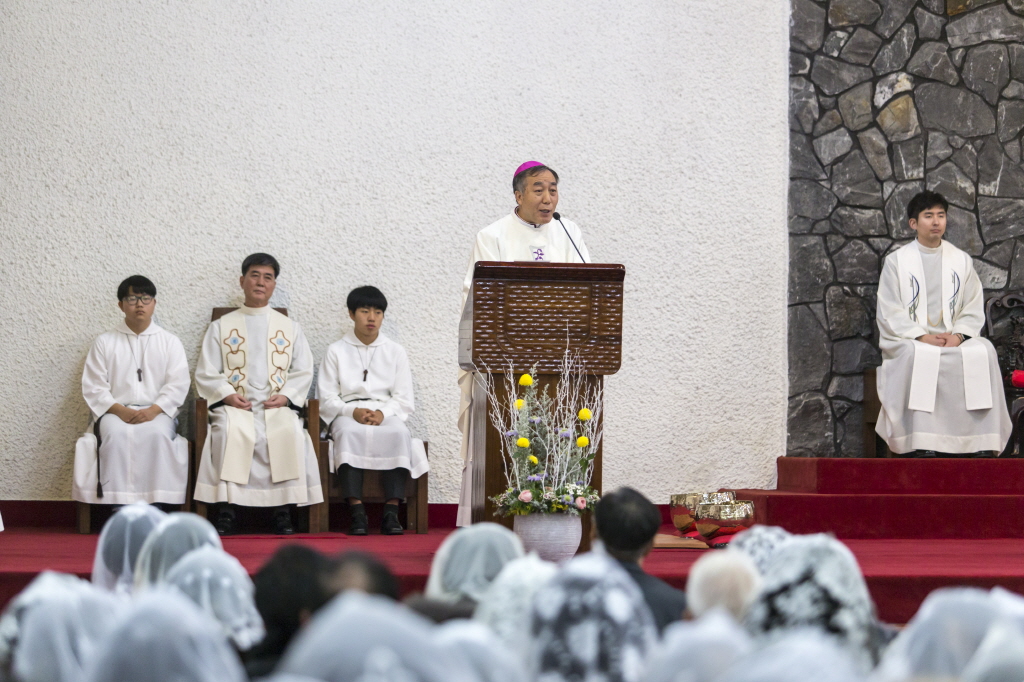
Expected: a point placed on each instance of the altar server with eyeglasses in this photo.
(255, 369)
(533, 232)
(939, 384)
(366, 396)
(135, 380)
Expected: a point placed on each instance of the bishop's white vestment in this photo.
(387, 387)
(508, 239)
(933, 398)
(145, 462)
(258, 457)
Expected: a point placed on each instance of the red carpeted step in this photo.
(891, 516)
(899, 573)
(922, 476)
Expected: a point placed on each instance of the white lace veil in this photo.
(220, 586)
(506, 605)
(796, 656)
(942, 636)
(813, 581)
(699, 650)
(760, 544)
(164, 636)
(469, 559)
(176, 536)
(1000, 657)
(360, 637)
(491, 658)
(61, 633)
(119, 545)
(591, 622)
(43, 586)
(50, 628)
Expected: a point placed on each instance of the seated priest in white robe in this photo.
(135, 380)
(365, 390)
(939, 383)
(255, 369)
(533, 231)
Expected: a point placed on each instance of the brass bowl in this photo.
(682, 507)
(724, 518)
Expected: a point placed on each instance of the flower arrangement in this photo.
(549, 442)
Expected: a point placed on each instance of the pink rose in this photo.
(581, 503)
(526, 496)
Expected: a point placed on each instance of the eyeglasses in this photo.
(144, 300)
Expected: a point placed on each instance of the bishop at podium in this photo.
(525, 234)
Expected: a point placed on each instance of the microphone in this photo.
(558, 217)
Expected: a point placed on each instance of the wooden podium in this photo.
(523, 313)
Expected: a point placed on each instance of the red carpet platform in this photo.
(900, 573)
(896, 498)
(914, 526)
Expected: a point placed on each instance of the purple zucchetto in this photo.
(526, 166)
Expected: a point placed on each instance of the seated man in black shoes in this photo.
(255, 369)
(365, 390)
(626, 522)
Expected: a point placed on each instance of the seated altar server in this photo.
(135, 380)
(525, 234)
(939, 383)
(365, 390)
(255, 369)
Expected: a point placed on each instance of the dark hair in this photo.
(137, 283)
(260, 259)
(366, 297)
(626, 521)
(519, 181)
(294, 580)
(922, 201)
(362, 571)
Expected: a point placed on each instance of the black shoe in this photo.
(390, 525)
(225, 524)
(925, 454)
(283, 522)
(358, 525)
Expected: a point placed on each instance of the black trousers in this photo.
(392, 480)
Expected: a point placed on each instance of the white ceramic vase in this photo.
(554, 537)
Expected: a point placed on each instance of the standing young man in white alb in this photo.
(939, 384)
(255, 369)
(135, 380)
(527, 233)
(365, 390)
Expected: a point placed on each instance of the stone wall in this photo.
(888, 97)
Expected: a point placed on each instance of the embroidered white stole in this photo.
(280, 422)
(927, 358)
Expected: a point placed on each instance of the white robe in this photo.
(145, 462)
(260, 491)
(388, 388)
(508, 239)
(944, 399)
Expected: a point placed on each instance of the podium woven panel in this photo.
(528, 324)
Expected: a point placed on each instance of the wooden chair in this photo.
(874, 445)
(373, 492)
(84, 509)
(318, 513)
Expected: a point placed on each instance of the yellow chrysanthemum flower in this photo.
(582, 441)
(526, 380)
(519, 404)
(532, 459)
(585, 415)
(523, 443)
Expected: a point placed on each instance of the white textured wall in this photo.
(366, 142)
